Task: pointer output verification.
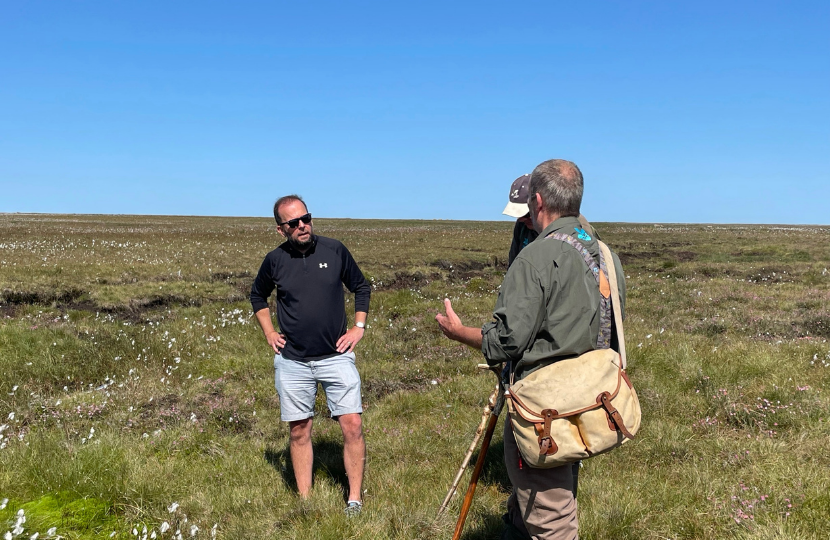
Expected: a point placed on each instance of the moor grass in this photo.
(137, 397)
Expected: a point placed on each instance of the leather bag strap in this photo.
(614, 414)
(615, 301)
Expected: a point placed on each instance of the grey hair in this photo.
(286, 200)
(560, 184)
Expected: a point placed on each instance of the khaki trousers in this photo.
(542, 504)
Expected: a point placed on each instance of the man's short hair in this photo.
(283, 201)
(560, 184)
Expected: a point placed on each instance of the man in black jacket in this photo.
(313, 345)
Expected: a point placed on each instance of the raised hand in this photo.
(449, 323)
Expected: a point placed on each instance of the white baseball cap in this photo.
(519, 194)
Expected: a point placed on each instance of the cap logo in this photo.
(324, 265)
(514, 194)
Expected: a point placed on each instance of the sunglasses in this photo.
(294, 223)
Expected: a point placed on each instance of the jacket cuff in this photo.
(486, 350)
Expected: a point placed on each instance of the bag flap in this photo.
(570, 385)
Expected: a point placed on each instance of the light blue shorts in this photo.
(296, 384)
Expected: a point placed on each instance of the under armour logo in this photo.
(324, 265)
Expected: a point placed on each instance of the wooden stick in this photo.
(485, 444)
(488, 409)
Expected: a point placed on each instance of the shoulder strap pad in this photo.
(615, 300)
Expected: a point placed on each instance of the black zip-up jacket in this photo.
(311, 306)
(522, 236)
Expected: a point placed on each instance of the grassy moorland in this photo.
(137, 398)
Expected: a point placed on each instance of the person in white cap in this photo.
(523, 232)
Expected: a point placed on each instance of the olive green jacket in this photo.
(548, 305)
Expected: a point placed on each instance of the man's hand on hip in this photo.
(276, 340)
(347, 341)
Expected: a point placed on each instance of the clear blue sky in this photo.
(674, 111)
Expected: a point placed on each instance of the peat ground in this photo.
(136, 391)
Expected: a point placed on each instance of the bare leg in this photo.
(354, 453)
(302, 455)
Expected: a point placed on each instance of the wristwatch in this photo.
(360, 324)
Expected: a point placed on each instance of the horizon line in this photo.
(655, 223)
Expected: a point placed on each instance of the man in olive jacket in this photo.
(547, 310)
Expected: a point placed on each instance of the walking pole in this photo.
(485, 444)
(488, 409)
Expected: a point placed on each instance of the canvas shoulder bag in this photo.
(579, 407)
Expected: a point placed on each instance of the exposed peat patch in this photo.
(406, 280)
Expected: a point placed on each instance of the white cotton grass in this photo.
(18, 529)
(79, 395)
(88, 438)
